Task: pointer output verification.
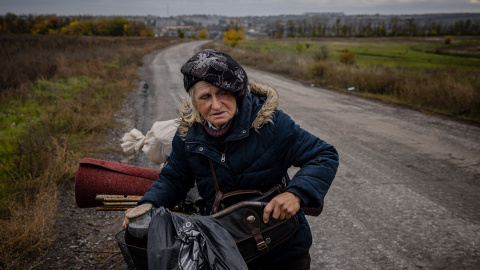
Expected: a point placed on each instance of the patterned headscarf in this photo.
(217, 68)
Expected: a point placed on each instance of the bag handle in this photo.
(240, 205)
(218, 192)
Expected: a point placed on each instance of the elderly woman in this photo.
(237, 125)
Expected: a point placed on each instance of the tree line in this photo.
(368, 27)
(79, 25)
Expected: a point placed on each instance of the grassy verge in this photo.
(422, 73)
(57, 95)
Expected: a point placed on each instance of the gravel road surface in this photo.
(406, 196)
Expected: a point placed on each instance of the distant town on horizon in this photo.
(310, 24)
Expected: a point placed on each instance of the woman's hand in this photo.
(136, 212)
(125, 220)
(283, 206)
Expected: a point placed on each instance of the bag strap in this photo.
(220, 196)
(218, 192)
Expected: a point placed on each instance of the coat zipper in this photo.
(223, 154)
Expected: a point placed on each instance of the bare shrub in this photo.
(378, 80)
(291, 65)
(318, 70)
(299, 48)
(322, 54)
(347, 57)
(444, 92)
(447, 40)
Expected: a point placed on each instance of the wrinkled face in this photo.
(216, 105)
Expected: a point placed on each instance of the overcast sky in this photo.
(234, 7)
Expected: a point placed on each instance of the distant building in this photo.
(172, 30)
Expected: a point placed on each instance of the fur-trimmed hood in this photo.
(188, 115)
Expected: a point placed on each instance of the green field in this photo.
(406, 52)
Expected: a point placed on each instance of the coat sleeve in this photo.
(318, 160)
(174, 181)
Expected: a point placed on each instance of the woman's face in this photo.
(216, 105)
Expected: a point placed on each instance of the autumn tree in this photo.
(337, 26)
(345, 30)
(75, 25)
(203, 34)
(181, 33)
(15, 24)
(74, 29)
(52, 22)
(316, 27)
(394, 25)
(233, 38)
(40, 28)
(99, 28)
(278, 29)
(115, 27)
(302, 27)
(411, 27)
(235, 33)
(137, 29)
(291, 28)
(381, 29)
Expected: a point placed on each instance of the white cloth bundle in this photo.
(156, 144)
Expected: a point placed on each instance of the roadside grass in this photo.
(57, 98)
(422, 73)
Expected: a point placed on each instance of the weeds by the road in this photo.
(428, 78)
(57, 95)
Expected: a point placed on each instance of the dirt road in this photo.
(406, 196)
(407, 193)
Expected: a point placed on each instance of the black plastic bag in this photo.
(177, 241)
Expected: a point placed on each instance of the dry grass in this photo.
(58, 96)
(32, 214)
(26, 58)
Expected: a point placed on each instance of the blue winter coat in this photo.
(250, 159)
